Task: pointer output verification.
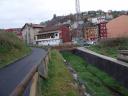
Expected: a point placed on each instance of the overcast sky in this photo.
(15, 13)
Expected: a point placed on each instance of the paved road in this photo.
(12, 75)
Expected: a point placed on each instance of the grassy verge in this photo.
(11, 48)
(108, 51)
(97, 82)
(110, 47)
(60, 81)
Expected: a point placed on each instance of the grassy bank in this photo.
(110, 47)
(107, 51)
(97, 82)
(11, 48)
(60, 81)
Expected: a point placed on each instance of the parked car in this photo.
(91, 42)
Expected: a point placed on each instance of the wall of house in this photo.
(66, 34)
(97, 20)
(118, 27)
(29, 34)
(24, 34)
(91, 33)
(33, 32)
(102, 30)
(49, 40)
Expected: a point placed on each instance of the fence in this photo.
(33, 76)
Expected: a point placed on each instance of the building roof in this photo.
(47, 29)
(120, 18)
(33, 25)
(37, 26)
(118, 27)
(53, 28)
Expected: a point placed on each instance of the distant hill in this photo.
(84, 15)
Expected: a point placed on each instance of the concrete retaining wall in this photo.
(115, 68)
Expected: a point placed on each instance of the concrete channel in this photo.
(115, 68)
(77, 82)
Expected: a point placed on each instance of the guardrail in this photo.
(43, 72)
(33, 76)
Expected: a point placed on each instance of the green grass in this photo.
(96, 81)
(11, 48)
(108, 51)
(60, 81)
(110, 47)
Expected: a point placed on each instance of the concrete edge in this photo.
(102, 56)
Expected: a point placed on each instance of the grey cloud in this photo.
(14, 13)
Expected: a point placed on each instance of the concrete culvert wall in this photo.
(115, 68)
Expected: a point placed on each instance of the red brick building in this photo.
(66, 34)
(118, 27)
(102, 30)
(91, 33)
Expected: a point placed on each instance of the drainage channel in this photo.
(79, 83)
(114, 92)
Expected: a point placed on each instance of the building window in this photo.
(56, 34)
(34, 37)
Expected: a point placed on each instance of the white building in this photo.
(29, 31)
(54, 35)
(48, 36)
(97, 20)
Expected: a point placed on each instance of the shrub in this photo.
(119, 43)
(9, 41)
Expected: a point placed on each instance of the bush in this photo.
(9, 41)
(119, 43)
(11, 48)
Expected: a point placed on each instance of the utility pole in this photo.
(77, 7)
(78, 17)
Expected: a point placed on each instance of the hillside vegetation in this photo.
(110, 47)
(11, 48)
(60, 81)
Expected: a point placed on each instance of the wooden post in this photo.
(33, 89)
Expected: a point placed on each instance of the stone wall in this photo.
(115, 68)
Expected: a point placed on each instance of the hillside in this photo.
(11, 48)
